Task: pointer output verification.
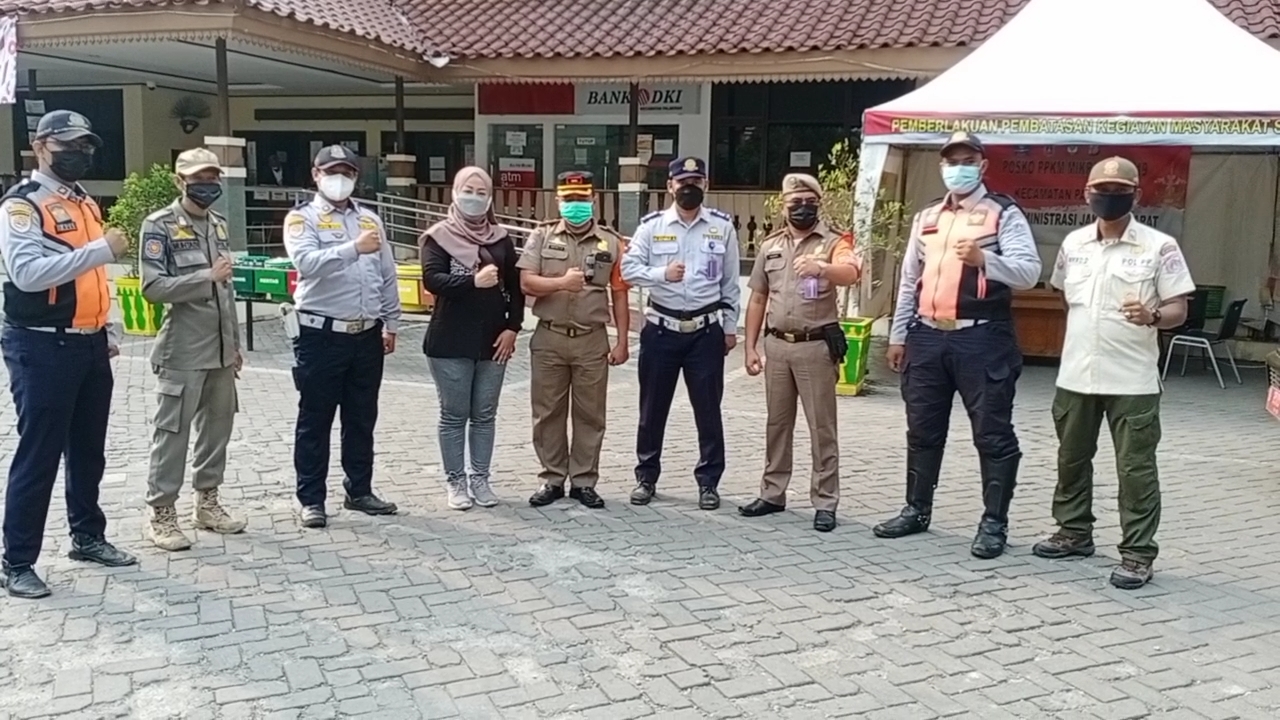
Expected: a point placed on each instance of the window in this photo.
(103, 108)
(515, 155)
(440, 155)
(762, 131)
(596, 149)
(283, 159)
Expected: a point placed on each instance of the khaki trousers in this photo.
(805, 371)
(570, 376)
(205, 398)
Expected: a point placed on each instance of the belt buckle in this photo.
(571, 332)
(945, 324)
(688, 326)
(789, 337)
(354, 326)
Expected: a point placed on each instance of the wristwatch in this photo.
(1155, 318)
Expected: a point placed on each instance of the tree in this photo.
(141, 196)
(880, 236)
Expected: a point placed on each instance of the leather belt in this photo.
(796, 337)
(345, 327)
(65, 331)
(566, 330)
(949, 325)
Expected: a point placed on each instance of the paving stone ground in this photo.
(663, 611)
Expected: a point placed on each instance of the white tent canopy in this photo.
(1128, 72)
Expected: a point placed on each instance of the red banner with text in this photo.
(1048, 182)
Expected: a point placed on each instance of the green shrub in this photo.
(141, 196)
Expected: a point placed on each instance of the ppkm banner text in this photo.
(1048, 181)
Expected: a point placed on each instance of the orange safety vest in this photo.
(71, 221)
(948, 289)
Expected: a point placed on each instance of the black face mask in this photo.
(688, 197)
(202, 195)
(1111, 206)
(71, 165)
(803, 217)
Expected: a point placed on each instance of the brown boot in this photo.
(210, 515)
(165, 531)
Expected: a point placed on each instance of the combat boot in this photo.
(923, 468)
(165, 532)
(999, 476)
(210, 515)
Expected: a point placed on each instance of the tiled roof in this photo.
(379, 20)
(647, 28)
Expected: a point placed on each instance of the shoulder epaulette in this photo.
(301, 204)
(158, 214)
(22, 189)
(547, 223)
(720, 214)
(652, 216)
(1004, 201)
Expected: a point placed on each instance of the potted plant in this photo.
(142, 195)
(879, 236)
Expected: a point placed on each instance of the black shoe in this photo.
(312, 516)
(643, 493)
(97, 550)
(824, 521)
(708, 498)
(24, 583)
(923, 466)
(760, 508)
(587, 496)
(999, 477)
(546, 495)
(370, 505)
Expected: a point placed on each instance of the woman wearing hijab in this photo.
(469, 265)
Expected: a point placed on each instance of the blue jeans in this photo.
(468, 392)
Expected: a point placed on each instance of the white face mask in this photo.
(336, 187)
(471, 205)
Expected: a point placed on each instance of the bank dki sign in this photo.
(616, 99)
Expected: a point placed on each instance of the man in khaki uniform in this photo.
(794, 284)
(572, 267)
(1123, 282)
(186, 264)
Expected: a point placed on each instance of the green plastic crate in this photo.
(1214, 301)
(271, 281)
(242, 280)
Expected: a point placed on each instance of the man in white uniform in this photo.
(1123, 282)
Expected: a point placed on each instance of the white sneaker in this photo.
(482, 492)
(458, 497)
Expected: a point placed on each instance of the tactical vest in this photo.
(70, 222)
(949, 289)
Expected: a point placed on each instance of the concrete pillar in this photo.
(230, 152)
(29, 162)
(402, 179)
(632, 188)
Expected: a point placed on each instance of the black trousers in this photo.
(981, 363)
(61, 384)
(664, 355)
(336, 371)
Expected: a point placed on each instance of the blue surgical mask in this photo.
(471, 205)
(961, 178)
(577, 212)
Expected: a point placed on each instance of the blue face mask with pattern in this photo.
(961, 178)
(577, 212)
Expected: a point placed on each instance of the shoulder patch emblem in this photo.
(153, 247)
(19, 217)
(296, 226)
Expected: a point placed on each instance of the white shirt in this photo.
(1103, 353)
